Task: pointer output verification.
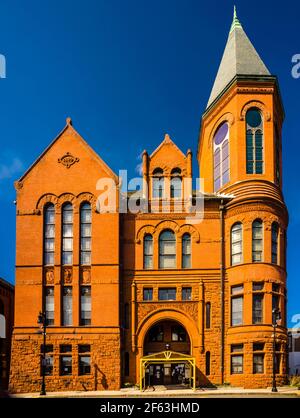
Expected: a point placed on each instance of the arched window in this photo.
(49, 234)
(221, 156)
(236, 244)
(158, 184)
(186, 251)
(254, 142)
(275, 230)
(257, 241)
(67, 234)
(176, 183)
(85, 233)
(148, 251)
(207, 363)
(167, 250)
(277, 141)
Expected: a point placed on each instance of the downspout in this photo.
(222, 278)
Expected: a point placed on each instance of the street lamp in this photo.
(276, 316)
(43, 323)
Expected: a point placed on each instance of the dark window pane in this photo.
(84, 348)
(84, 365)
(65, 348)
(65, 365)
(147, 294)
(167, 293)
(257, 308)
(186, 293)
(237, 364)
(258, 363)
(207, 314)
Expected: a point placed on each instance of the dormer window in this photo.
(158, 184)
(176, 183)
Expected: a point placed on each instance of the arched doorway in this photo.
(162, 368)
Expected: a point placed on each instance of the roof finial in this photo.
(235, 23)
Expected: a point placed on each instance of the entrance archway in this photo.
(167, 356)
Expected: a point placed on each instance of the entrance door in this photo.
(158, 374)
(179, 374)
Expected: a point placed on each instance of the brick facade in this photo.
(118, 334)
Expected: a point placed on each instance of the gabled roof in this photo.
(69, 125)
(239, 58)
(167, 141)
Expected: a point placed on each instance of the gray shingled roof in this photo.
(239, 58)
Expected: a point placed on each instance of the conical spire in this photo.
(239, 58)
(235, 22)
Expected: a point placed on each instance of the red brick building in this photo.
(180, 290)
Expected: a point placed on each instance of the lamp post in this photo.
(276, 316)
(43, 323)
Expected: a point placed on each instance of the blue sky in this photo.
(127, 72)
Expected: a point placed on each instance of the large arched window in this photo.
(221, 156)
(275, 230)
(167, 250)
(176, 183)
(254, 142)
(186, 251)
(49, 234)
(148, 251)
(85, 233)
(158, 184)
(67, 234)
(257, 241)
(236, 244)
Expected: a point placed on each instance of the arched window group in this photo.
(257, 242)
(159, 184)
(221, 156)
(67, 234)
(254, 142)
(167, 250)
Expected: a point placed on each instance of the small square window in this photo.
(258, 346)
(65, 348)
(237, 348)
(148, 293)
(84, 348)
(235, 290)
(186, 293)
(258, 286)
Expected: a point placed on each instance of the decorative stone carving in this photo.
(67, 275)
(47, 198)
(87, 197)
(167, 224)
(28, 212)
(191, 230)
(49, 276)
(68, 160)
(190, 308)
(260, 106)
(85, 277)
(18, 185)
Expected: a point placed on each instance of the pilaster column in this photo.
(133, 317)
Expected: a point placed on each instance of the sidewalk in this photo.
(162, 391)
